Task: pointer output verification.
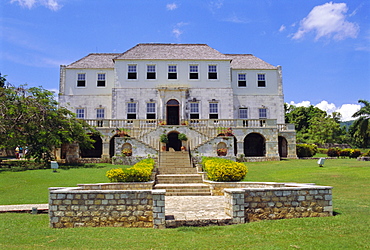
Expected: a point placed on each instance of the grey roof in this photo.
(155, 51)
(248, 61)
(95, 61)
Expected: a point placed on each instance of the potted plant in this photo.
(127, 151)
(222, 151)
(183, 148)
(163, 138)
(182, 137)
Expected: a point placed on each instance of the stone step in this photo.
(179, 178)
(195, 189)
(176, 170)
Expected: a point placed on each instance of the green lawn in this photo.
(349, 229)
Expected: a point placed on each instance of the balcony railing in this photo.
(148, 124)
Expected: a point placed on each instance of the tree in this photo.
(314, 125)
(31, 117)
(360, 129)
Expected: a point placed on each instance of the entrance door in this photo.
(173, 112)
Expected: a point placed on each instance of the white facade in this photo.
(224, 91)
(177, 84)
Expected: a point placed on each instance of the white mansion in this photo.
(155, 89)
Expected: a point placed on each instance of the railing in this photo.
(208, 126)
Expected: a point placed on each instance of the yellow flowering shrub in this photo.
(219, 169)
(140, 172)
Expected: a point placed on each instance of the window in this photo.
(261, 80)
(243, 113)
(100, 114)
(150, 72)
(263, 113)
(81, 80)
(80, 113)
(194, 110)
(172, 72)
(242, 80)
(131, 110)
(193, 72)
(150, 110)
(213, 110)
(132, 73)
(212, 71)
(101, 80)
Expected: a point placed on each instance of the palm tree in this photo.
(360, 129)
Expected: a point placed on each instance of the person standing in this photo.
(17, 152)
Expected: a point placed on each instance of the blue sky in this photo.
(323, 46)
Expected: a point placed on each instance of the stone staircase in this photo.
(178, 177)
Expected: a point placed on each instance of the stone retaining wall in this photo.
(118, 186)
(290, 201)
(75, 207)
(217, 188)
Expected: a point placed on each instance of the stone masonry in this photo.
(74, 207)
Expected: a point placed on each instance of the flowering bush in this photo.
(127, 151)
(333, 152)
(219, 169)
(140, 172)
(222, 151)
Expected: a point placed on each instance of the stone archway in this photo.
(283, 147)
(173, 112)
(254, 145)
(112, 146)
(173, 141)
(94, 152)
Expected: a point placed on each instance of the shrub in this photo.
(355, 153)
(306, 150)
(163, 138)
(333, 152)
(345, 152)
(224, 170)
(322, 150)
(140, 172)
(366, 154)
(182, 137)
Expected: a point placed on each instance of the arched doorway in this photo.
(173, 112)
(94, 152)
(254, 145)
(112, 147)
(283, 147)
(173, 141)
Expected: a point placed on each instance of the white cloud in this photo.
(282, 28)
(215, 5)
(346, 110)
(50, 4)
(177, 32)
(328, 20)
(171, 6)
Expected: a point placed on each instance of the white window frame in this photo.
(194, 109)
(244, 113)
(81, 79)
(100, 78)
(151, 68)
(214, 109)
(151, 108)
(131, 69)
(240, 76)
(80, 113)
(100, 113)
(132, 109)
(172, 69)
(261, 79)
(193, 69)
(262, 113)
(212, 68)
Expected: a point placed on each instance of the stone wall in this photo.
(75, 207)
(295, 201)
(118, 186)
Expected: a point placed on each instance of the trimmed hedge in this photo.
(347, 152)
(219, 169)
(306, 150)
(140, 172)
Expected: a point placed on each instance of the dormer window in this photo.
(132, 72)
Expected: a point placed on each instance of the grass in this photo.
(348, 229)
